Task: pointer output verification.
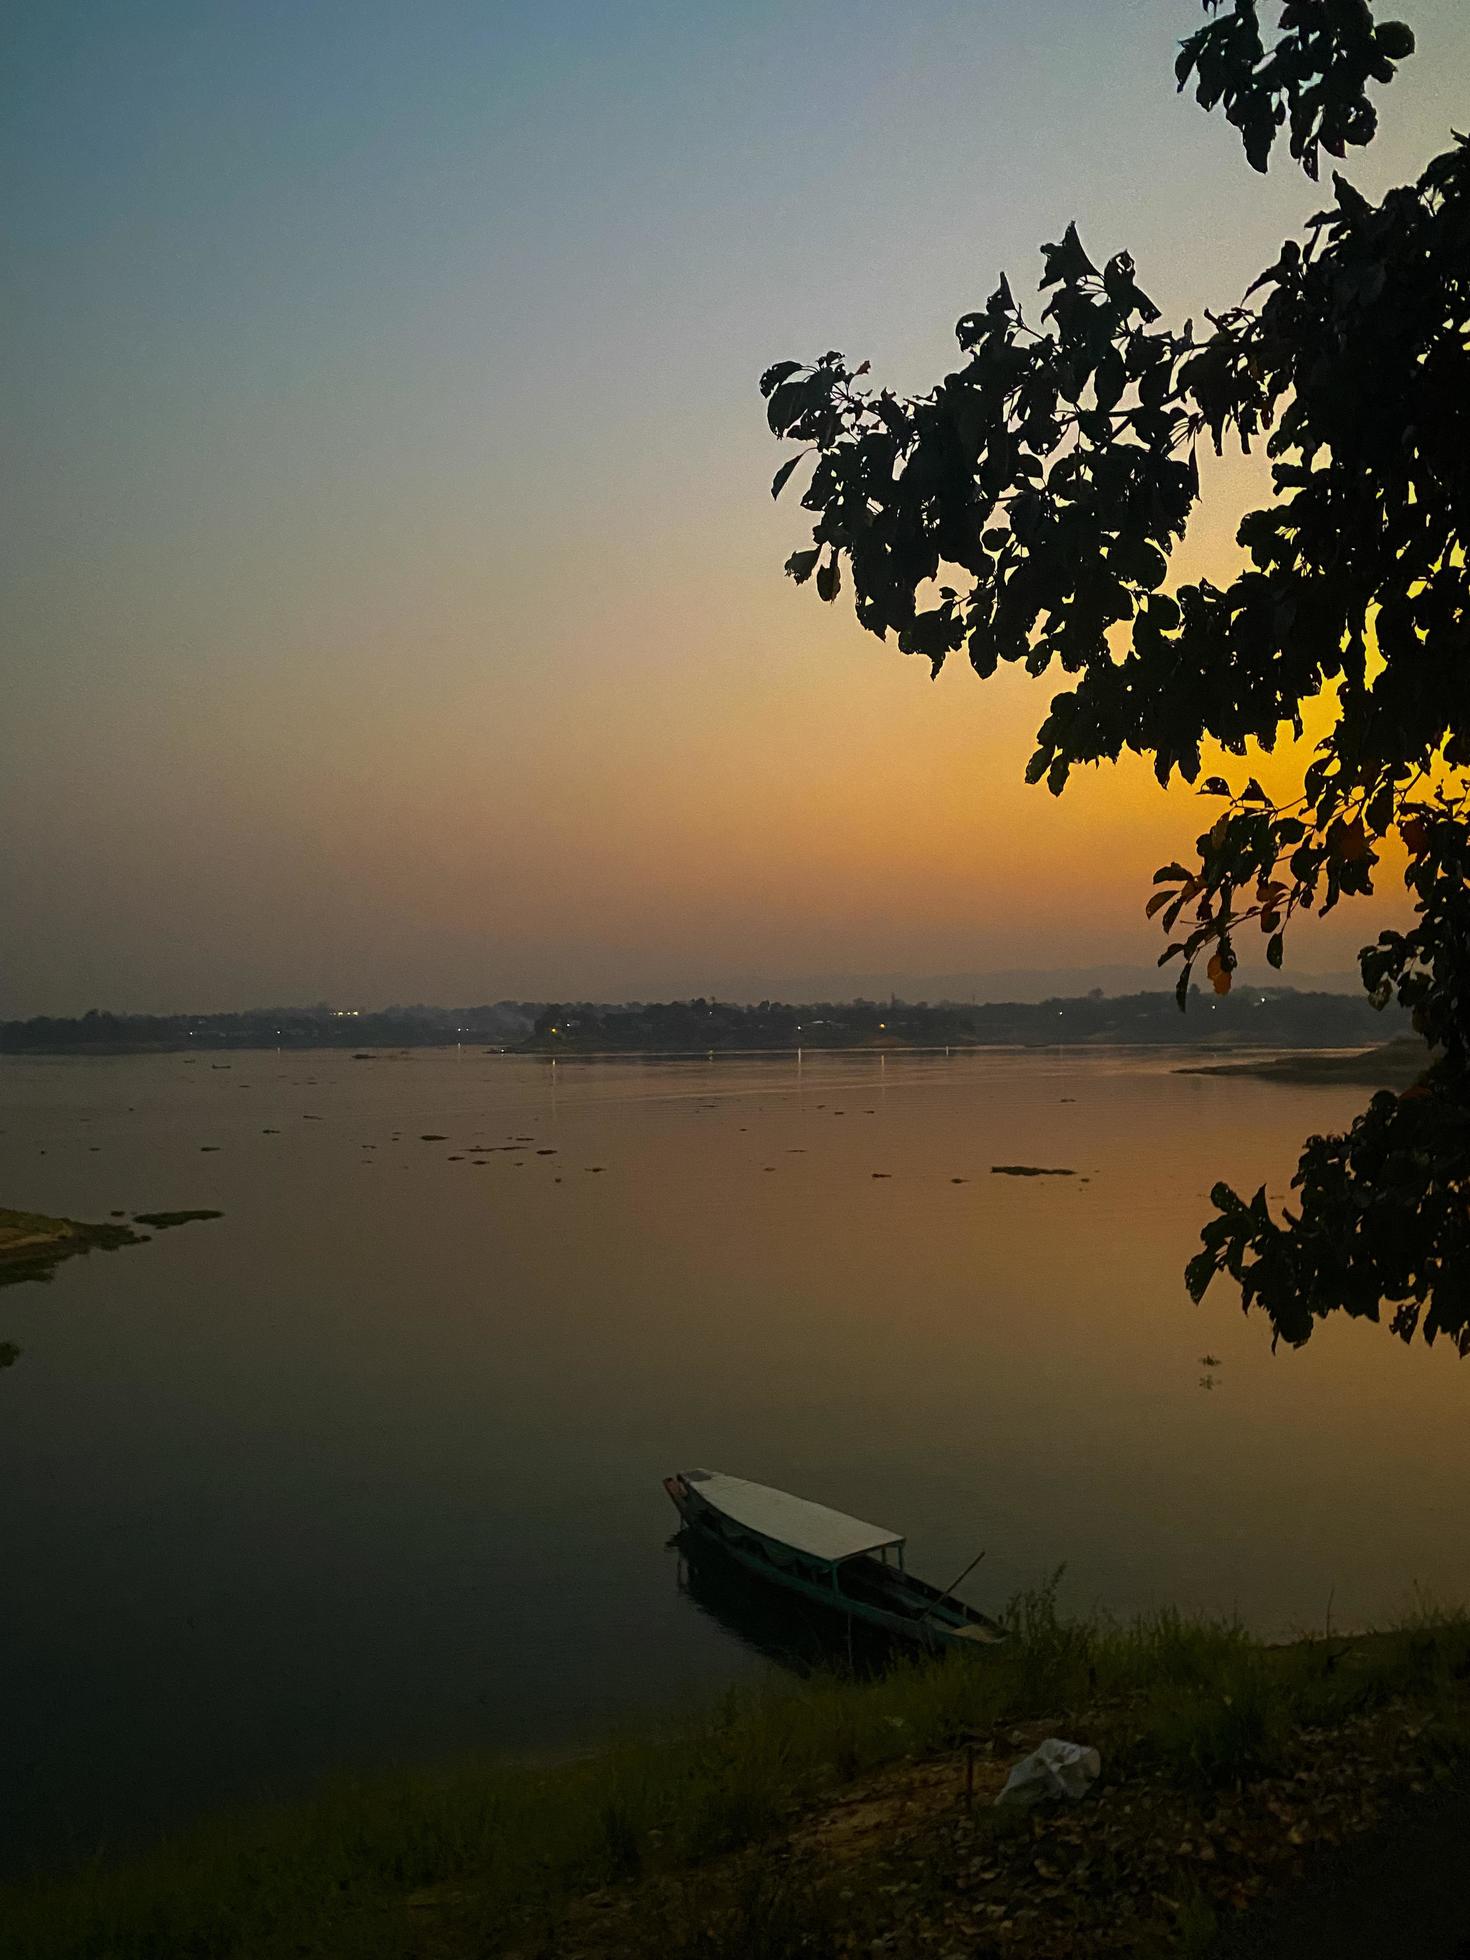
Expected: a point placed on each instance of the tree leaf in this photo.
(1198, 1274)
(783, 475)
(1067, 263)
(774, 376)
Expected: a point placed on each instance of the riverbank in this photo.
(831, 1818)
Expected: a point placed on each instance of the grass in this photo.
(498, 1846)
(29, 1224)
(31, 1242)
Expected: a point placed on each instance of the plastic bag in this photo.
(1055, 1769)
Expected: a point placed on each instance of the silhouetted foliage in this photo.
(1026, 508)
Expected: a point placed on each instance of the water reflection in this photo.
(791, 1632)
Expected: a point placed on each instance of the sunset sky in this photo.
(393, 595)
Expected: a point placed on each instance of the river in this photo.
(368, 1470)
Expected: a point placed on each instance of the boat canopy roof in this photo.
(793, 1521)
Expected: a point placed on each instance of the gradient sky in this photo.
(393, 603)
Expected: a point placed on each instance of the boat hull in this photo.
(960, 1628)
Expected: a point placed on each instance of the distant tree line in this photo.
(504, 1024)
(1276, 1017)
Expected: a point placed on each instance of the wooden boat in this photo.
(825, 1557)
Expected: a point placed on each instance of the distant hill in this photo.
(996, 984)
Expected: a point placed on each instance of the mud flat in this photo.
(1395, 1065)
(32, 1244)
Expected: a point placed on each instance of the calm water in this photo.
(369, 1470)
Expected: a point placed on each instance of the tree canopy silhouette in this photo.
(1025, 509)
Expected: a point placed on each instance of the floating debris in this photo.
(1027, 1170)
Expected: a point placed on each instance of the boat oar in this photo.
(949, 1589)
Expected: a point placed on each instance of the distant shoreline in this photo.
(1249, 1018)
(1304, 1062)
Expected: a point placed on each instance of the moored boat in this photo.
(836, 1562)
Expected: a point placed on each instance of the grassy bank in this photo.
(492, 1857)
(657, 1827)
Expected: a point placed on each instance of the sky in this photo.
(392, 594)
